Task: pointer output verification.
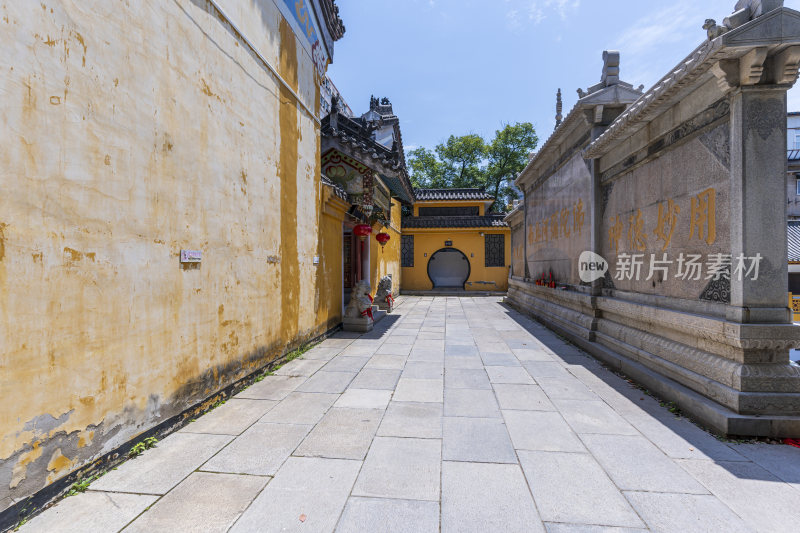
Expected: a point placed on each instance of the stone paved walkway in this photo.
(456, 415)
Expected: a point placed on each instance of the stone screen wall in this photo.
(670, 209)
(558, 222)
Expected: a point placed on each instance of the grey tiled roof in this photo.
(452, 194)
(490, 221)
(793, 237)
(337, 189)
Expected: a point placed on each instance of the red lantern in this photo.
(362, 230)
(382, 238)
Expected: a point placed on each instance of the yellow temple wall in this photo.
(467, 240)
(133, 130)
(386, 261)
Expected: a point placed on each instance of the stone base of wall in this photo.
(702, 363)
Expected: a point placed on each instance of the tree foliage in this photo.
(470, 161)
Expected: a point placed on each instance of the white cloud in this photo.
(652, 35)
(537, 11)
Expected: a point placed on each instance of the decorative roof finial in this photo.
(610, 68)
(559, 108)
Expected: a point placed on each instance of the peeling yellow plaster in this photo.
(58, 465)
(21, 468)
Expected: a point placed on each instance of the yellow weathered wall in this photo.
(133, 130)
(468, 241)
(329, 293)
(387, 260)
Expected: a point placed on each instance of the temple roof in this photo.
(374, 139)
(337, 189)
(452, 194)
(490, 221)
(333, 23)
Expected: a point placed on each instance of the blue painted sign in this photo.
(304, 23)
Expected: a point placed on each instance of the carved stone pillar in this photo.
(758, 187)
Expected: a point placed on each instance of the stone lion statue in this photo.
(384, 297)
(360, 305)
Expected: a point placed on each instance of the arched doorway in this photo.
(448, 268)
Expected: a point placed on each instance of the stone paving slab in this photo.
(419, 390)
(300, 367)
(509, 374)
(163, 467)
(90, 512)
(342, 434)
(486, 497)
(395, 348)
(586, 416)
(231, 418)
(423, 370)
(499, 359)
(410, 419)
(483, 440)
(312, 488)
(342, 363)
(378, 515)
(686, 513)
(300, 408)
(761, 499)
(202, 503)
(470, 402)
(364, 399)
(553, 527)
(573, 488)
(634, 463)
(272, 388)
(522, 397)
(376, 379)
(594, 453)
(386, 362)
(401, 468)
(327, 381)
(260, 450)
(466, 378)
(322, 353)
(541, 431)
(463, 361)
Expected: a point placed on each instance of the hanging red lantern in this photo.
(382, 238)
(362, 230)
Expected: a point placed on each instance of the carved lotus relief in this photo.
(764, 116)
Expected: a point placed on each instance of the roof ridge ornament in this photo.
(744, 12)
(610, 68)
(559, 108)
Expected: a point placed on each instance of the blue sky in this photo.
(468, 66)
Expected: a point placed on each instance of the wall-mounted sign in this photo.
(448, 243)
(300, 16)
(191, 256)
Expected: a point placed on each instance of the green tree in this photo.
(507, 156)
(425, 169)
(468, 161)
(462, 160)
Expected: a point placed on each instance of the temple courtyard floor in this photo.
(455, 414)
